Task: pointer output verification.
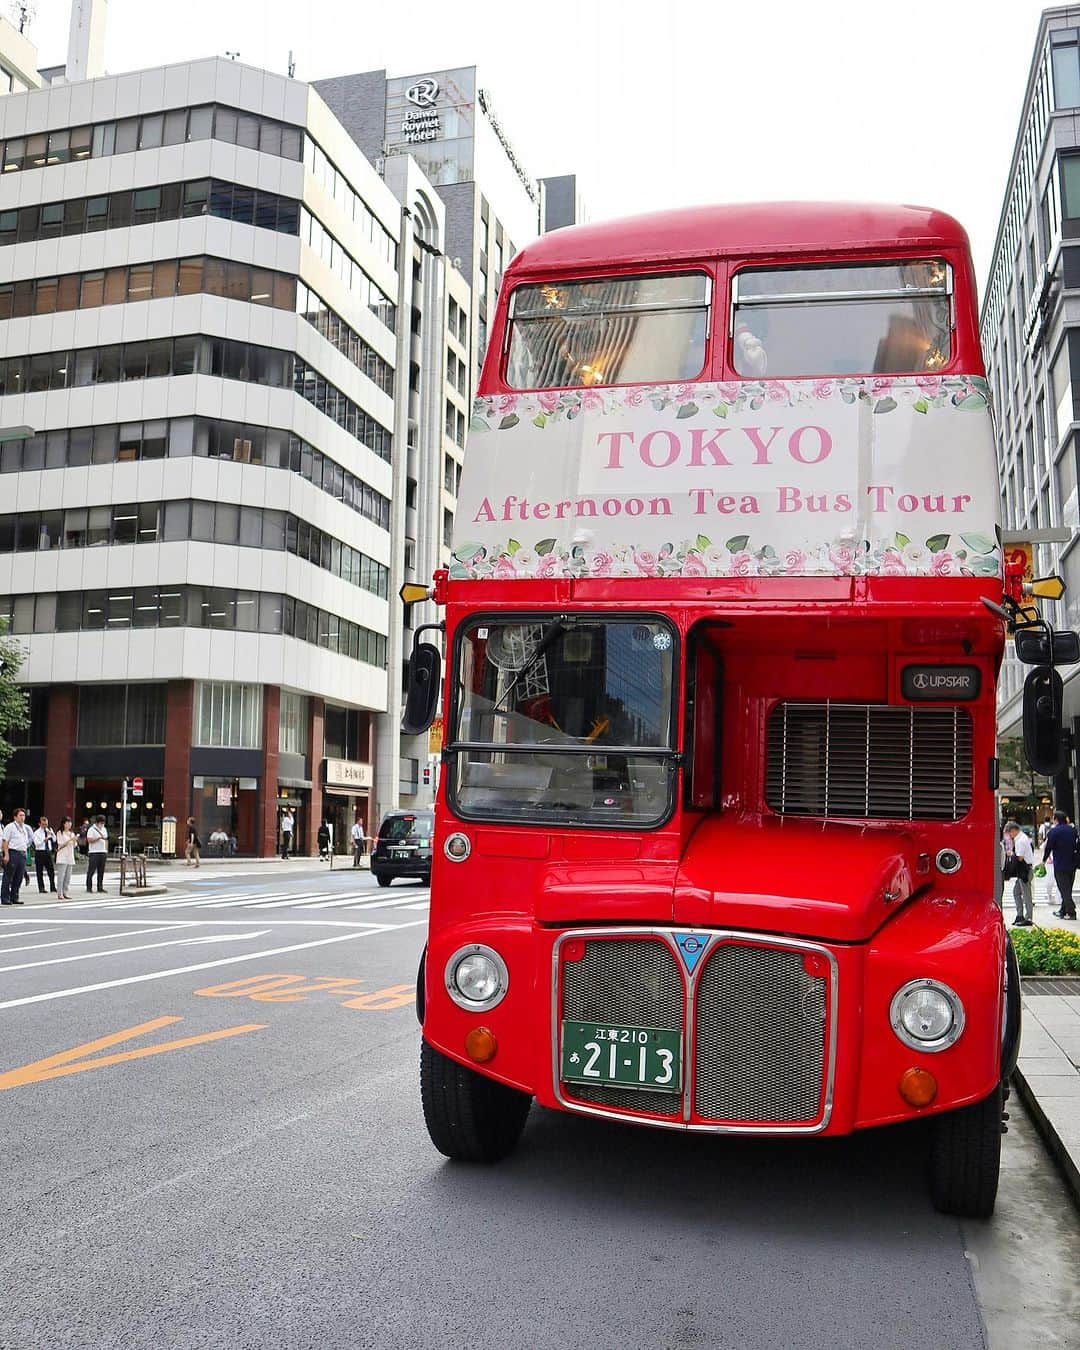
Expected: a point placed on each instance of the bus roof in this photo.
(742, 229)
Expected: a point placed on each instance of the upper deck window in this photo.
(614, 330)
(881, 318)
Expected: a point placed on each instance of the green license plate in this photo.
(632, 1057)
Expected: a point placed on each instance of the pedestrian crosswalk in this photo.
(412, 898)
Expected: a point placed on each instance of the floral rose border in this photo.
(943, 555)
(885, 393)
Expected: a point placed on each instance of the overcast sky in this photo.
(671, 103)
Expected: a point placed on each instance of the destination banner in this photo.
(885, 476)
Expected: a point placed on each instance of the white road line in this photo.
(205, 965)
(334, 904)
(244, 923)
(107, 903)
(294, 901)
(123, 951)
(203, 902)
(33, 932)
(101, 937)
(420, 904)
(383, 904)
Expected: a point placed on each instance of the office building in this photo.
(1031, 338)
(445, 123)
(204, 322)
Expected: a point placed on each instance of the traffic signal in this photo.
(427, 775)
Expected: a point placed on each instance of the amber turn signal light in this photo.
(917, 1087)
(480, 1045)
(1046, 588)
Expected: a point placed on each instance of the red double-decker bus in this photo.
(716, 831)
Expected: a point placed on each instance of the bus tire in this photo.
(383, 879)
(965, 1156)
(470, 1118)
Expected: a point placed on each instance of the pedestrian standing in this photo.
(357, 833)
(97, 845)
(66, 839)
(194, 844)
(1023, 864)
(15, 842)
(44, 849)
(324, 840)
(1061, 849)
(288, 823)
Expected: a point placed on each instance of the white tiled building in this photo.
(203, 321)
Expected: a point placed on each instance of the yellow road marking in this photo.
(75, 1061)
(272, 988)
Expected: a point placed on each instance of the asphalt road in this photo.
(211, 1136)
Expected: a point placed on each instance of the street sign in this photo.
(136, 787)
(435, 737)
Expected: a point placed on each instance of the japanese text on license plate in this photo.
(635, 1057)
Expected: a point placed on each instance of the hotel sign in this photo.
(348, 773)
(423, 124)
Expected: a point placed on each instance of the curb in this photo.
(1057, 1148)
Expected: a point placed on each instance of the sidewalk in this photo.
(1047, 1076)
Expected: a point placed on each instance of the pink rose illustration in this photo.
(591, 401)
(842, 557)
(646, 561)
(503, 568)
(881, 385)
(600, 563)
(728, 392)
(548, 402)
(929, 384)
(549, 565)
(743, 564)
(633, 398)
(794, 560)
(892, 564)
(683, 393)
(946, 564)
(776, 391)
(693, 566)
(507, 403)
(824, 388)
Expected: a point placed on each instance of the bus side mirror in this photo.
(1044, 743)
(421, 688)
(1041, 647)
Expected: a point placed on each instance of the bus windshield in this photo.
(615, 330)
(880, 318)
(564, 718)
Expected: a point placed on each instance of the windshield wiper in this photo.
(554, 630)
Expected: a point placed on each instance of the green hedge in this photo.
(1047, 951)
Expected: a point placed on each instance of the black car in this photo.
(403, 847)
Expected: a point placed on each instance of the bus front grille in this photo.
(632, 982)
(760, 1039)
(760, 1043)
(869, 761)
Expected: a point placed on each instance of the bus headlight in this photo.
(926, 1015)
(476, 978)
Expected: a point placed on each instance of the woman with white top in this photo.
(66, 839)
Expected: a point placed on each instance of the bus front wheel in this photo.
(469, 1117)
(965, 1157)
